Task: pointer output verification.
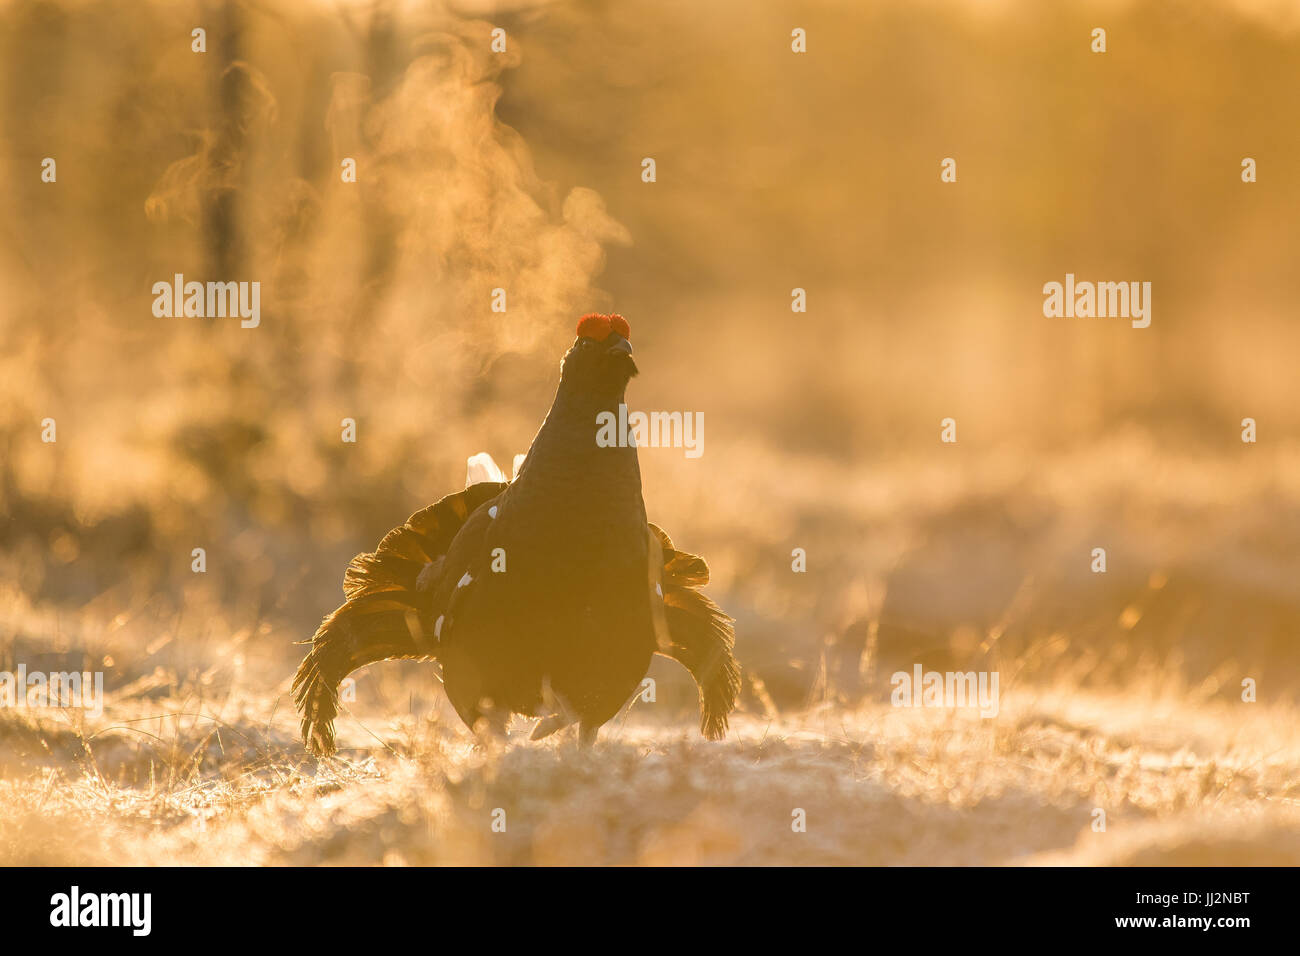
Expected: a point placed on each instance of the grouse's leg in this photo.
(491, 723)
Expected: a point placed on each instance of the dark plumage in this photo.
(544, 596)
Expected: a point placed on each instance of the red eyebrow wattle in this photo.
(593, 325)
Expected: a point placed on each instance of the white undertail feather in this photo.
(481, 467)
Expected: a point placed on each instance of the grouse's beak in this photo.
(621, 350)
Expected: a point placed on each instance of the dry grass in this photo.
(1115, 695)
(879, 786)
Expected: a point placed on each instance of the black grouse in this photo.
(544, 596)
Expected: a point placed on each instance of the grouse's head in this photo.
(600, 361)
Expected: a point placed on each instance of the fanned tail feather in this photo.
(406, 551)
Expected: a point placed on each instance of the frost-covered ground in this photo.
(1213, 784)
(1120, 693)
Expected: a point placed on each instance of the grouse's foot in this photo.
(550, 725)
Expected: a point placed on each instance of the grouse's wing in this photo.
(701, 636)
(385, 615)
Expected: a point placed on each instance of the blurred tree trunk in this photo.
(222, 215)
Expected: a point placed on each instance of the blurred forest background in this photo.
(521, 170)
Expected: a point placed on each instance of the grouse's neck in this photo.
(575, 479)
